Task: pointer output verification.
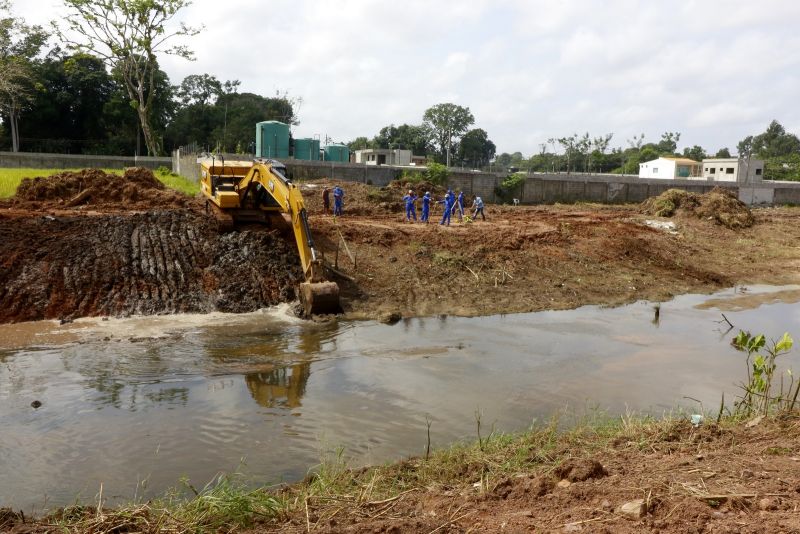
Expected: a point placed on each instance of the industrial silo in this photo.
(337, 153)
(306, 149)
(272, 140)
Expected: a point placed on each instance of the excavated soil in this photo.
(66, 253)
(62, 256)
(142, 263)
(136, 189)
(719, 205)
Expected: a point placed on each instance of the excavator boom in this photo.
(243, 190)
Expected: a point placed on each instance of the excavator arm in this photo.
(266, 188)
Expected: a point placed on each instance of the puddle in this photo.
(136, 404)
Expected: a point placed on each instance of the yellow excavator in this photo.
(242, 191)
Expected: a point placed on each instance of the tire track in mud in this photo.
(149, 263)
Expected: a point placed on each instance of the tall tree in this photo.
(128, 35)
(570, 146)
(201, 89)
(669, 142)
(475, 148)
(360, 143)
(124, 136)
(19, 45)
(66, 113)
(696, 153)
(417, 139)
(448, 122)
(723, 153)
(774, 142)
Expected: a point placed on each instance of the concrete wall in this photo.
(536, 189)
(36, 160)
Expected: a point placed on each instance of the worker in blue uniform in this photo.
(426, 206)
(448, 201)
(411, 205)
(338, 201)
(460, 205)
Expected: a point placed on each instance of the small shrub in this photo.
(510, 187)
(761, 365)
(436, 174)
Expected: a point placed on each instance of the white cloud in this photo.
(528, 69)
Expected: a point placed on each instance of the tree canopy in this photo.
(128, 35)
(448, 122)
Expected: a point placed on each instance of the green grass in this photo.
(177, 182)
(11, 178)
(230, 503)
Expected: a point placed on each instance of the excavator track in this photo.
(225, 222)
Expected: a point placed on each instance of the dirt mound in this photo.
(719, 204)
(364, 199)
(149, 263)
(137, 188)
(359, 199)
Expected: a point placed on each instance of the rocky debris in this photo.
(635, 509)
(720, 205)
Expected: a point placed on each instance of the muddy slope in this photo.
(83, 244)
(150, 263)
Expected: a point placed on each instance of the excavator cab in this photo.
(260, 191)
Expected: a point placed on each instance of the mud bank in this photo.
(625, 477)
(62, 267)
(90, 244)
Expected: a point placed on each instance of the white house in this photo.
(383, 156)
(670, 168)
(733, 170)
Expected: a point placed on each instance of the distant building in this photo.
(733, 170)
(383, 156)
(419, 161)
(670, 168)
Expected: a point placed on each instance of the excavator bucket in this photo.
(319, 298)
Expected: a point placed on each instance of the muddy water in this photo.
(136, 404)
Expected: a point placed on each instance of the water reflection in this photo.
(164, 398)
(281, 387)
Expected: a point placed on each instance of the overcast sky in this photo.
(713, 70)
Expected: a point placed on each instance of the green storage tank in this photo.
(306, 149)
(272, 140)
(337, 153)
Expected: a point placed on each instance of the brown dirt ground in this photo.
(64, 256)
(531, 258)
(731, 478)
(56, 254)
(711, 479)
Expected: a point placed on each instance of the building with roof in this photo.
(667, 168)
(739, 170)
(383, 156)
